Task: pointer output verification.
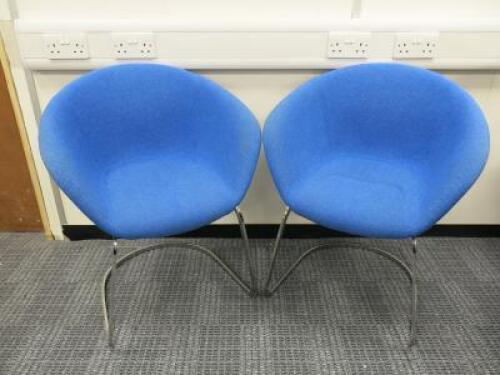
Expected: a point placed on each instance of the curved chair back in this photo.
(141, 112)
(390, 113)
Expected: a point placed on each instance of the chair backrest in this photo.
(381, 111)
(134, 111)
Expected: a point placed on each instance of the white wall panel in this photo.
(5, 13)
(188, 10)
(430, 9)
(482, 203)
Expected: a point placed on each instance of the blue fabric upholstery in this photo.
(381, 150)
(148, 150)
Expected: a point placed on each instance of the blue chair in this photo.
(375, 150)
(147, 150)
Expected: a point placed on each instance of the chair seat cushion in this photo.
(364, 196)
(162, 196)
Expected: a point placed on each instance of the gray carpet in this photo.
(342, 312)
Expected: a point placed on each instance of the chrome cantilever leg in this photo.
(276, 245)
(414, 299)
(250, 259)
(411, 273)
(109, 325)
(108, 322)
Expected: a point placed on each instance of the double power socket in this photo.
(123, 46)
(405, 45)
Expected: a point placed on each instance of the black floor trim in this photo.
(86, 232)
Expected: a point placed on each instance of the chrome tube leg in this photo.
(250, 259)
(108, 321)
(275, 251)
(115, 252)
(414, 299)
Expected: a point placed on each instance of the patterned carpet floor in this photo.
(344, 311)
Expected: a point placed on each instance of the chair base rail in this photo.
(410, 272)
(252, 289)
(109, 325)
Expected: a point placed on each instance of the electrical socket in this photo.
(66, 46)
(415, 46)
(348, 45)
(134, 46)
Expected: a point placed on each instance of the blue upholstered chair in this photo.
(147, 150)
(375, 150)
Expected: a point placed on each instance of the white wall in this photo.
(4, 11)
(261, 90)
(430, 9)
(189, 10)
(299, 10)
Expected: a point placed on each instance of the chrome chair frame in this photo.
(251, 289)
(410, 272)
